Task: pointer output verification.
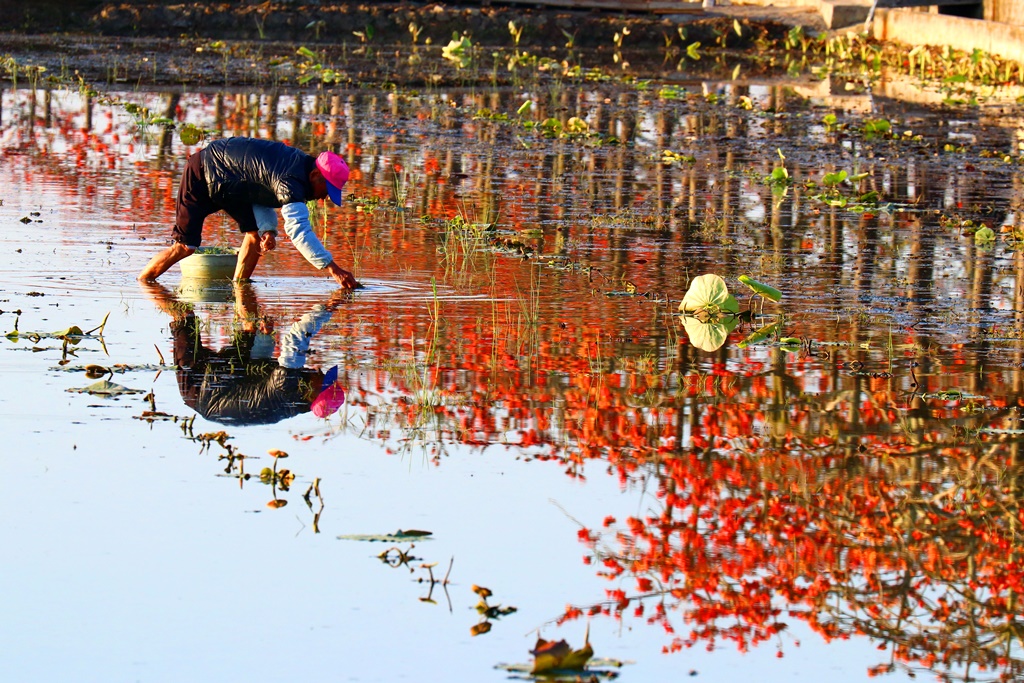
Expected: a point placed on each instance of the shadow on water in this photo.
(851, 473)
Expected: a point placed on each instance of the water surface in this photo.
(519, 383)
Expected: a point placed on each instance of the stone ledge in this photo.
(920, 28)
(843, 13)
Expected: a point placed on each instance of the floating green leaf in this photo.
(984, 236)
(73, 333)
(190, 135)
(552, 656)
(107, 388)
(708, 335)
(760, 335)
(397, 537)
(833, 179)
(762, 289)
(876, 127)
(458, 50)
(710, 294)
(790, 344)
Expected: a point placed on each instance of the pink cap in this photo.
(335, 172)
(328, 401)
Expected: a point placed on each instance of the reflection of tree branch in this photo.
(915, 552)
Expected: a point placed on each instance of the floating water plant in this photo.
(553, 656)
(709, 311)
(105, 387)
(779, 179)
(73, 334)
(558, 661)
(984, 236)
(877, 128)
(190, 135)
(397, 537)
(458, 50)
(708, 298)
(487, 611)
(761, 334)
(761, 289)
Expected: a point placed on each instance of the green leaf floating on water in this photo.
(397, 537)
(105, 387)
(709, 312)
(72, 332)
(984, 236)
(190, 135)
(608, 672)
(791, 344)
(760, 335)
(764, 290)
(708, 335)
(710, 294)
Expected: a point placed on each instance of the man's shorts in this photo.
(194, 205)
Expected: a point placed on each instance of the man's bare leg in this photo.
(248, 256)
(159, 264)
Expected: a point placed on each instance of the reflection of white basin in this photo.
(205, 290)
(210, 263)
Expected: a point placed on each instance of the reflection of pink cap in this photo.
(335, 172)
(328, 402)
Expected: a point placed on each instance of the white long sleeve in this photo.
(295, 342)
(300, 232)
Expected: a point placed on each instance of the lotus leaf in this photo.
(710, 294)
(760, 288)
(984, 236)
(105, 387)
(397, 537)
(760, 335)
(708, 335)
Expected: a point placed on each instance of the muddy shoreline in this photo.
(385, 23)
(197, 45)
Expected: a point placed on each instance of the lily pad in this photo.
(105, 387)
(760, 335)
(760, 288)
(190, 135)
(599, 668)
(708, 335)
(117, 367)
(72, 333)
(710, 294)
(984, 236)
(397, 537)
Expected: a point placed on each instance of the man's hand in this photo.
(344, 278)
(268, 242)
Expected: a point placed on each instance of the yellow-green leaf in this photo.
(759, 336)
(764, 290)
(190, 135)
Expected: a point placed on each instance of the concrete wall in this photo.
(1006, 11)
(917, 28)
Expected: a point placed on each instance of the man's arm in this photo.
(300, 232)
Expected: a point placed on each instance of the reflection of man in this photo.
(247, 179)
(243, 383)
